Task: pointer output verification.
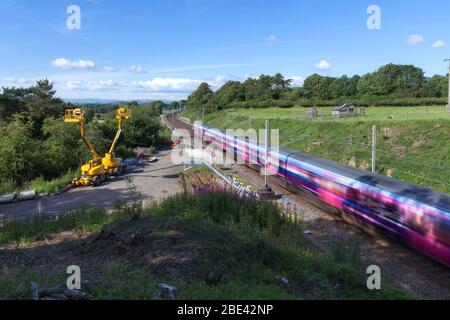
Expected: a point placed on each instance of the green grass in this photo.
(324, 114)
(224, 209)
(372, 114)
(415, 150)
(255, 283)
(275, 247)
(43, 186)
(16, 284)
(123, 282)
(246, 245)
(40, 185)
(8, 187)
(86, 220)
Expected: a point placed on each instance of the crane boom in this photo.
(113, 165)
(121, 114)
(77, 116)
(93, 172)
(116, 139)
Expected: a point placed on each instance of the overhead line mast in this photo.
(448, 101)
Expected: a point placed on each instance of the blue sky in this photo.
(155, 49)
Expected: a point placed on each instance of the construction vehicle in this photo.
(113, 165)
(93, 172)
(176, 141)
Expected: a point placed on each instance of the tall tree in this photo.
(200, 98)
(18, 151)
(62, 148)
(231, 91)
(371, 84)
(317, 86)
(402, 80)
(436, 86)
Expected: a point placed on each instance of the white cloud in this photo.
(172, 84)
(102, 85)
(122, 86)
(72, 85)
(137, 69)
(297, 81)
(415, 39)
(323, 65)
(251, 76)
(62, 63)
(272, 38)
(220, 78)
(439, 44)
(17, 82)
(218, 81)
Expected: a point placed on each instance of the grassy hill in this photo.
(413, 142)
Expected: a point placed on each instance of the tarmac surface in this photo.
(155, 181)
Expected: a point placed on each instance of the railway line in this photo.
(408, 268)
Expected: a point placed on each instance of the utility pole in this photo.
(266, 194)
(448, 101)
(266, 153)
(374, 148)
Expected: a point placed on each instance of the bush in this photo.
(41, 185)
(19, 156)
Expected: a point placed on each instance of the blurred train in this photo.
(416, 216)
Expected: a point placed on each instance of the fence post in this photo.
(374, 147)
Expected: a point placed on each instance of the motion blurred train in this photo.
(418, 217)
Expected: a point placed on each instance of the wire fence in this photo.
(390, 160)
(408, 168)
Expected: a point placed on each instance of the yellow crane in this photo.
(93, 172)
(113, 165)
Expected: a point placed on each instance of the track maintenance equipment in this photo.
(93, 172)
(113, 165)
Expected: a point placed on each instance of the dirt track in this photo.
(155, 181)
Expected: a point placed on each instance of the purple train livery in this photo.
(416, 216)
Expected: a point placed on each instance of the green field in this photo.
(324, 114)
(413, 144)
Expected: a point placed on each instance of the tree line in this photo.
(391, 85)
(36, 143)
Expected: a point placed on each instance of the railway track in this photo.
(412, 265)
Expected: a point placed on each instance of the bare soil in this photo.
(154, 244)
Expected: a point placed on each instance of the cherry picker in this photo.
(113, 165)
(93, 172)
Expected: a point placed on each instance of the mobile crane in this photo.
(93, 172)
(113, 165)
